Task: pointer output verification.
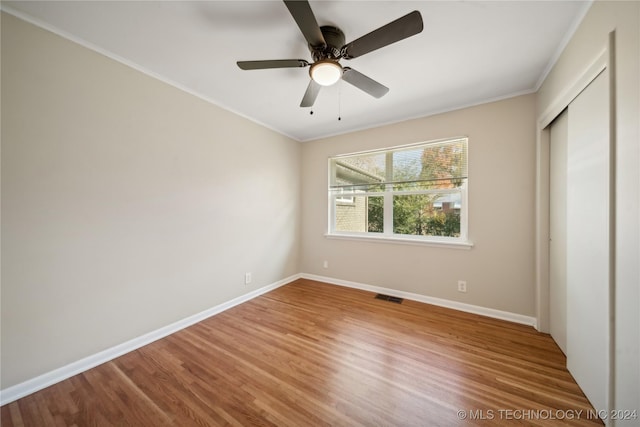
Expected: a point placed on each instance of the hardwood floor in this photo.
(313, 354)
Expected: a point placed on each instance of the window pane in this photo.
(432, 166)
(363, 172)
(375, 212)
(427, 214)
(359, 214)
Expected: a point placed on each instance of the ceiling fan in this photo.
(327, 46)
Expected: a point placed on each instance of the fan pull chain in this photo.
(339, 101)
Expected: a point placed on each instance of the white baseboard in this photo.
(17, 391)
(469, 308)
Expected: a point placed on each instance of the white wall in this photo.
(126, 203)
(585, 46)
(499, 268)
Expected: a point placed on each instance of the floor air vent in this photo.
(389, 298)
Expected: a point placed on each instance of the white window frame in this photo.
(345, 200)
(461, 242)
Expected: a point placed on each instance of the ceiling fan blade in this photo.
(274, 63)
(311, 94)
(407, 26)
(364, 83)
(306, 20)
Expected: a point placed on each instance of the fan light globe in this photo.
(326, 72)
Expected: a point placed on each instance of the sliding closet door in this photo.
(588, 248)
(558, 145)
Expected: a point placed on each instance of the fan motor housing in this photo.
(334, 38)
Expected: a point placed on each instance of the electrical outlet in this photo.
(462, 286)
(325, 264)
(247, 278)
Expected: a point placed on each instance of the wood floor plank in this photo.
(314, 354)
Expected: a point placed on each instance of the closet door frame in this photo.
(605, 60)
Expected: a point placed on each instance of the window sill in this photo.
(465, 245)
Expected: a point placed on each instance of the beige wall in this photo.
(588, 41)
(499, 268)
(126, 203)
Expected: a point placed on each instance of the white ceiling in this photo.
(470, 52)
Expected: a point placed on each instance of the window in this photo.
(416, 192)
